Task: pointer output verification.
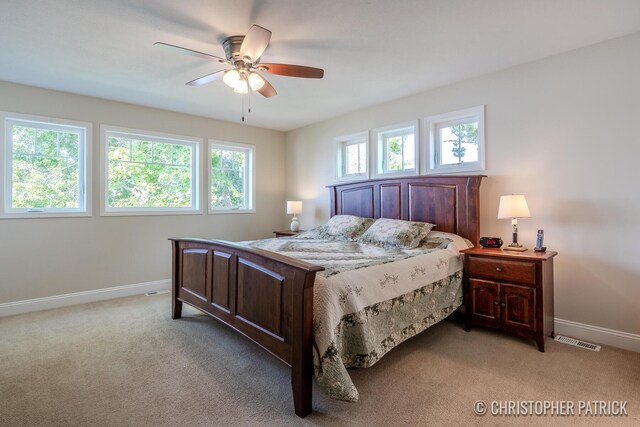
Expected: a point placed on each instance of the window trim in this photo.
(378, 170)
(153, 136)
(250, 183)
(341, 144)
(84, 166)
(430, 126)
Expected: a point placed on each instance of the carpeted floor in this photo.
(124, 362)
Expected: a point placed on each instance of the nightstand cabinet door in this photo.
(519, 306)
(485, 299)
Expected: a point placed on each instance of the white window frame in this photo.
(195, 143)
(7, 119)
(250, 170)
(378, 135)
(342, 143)
(431, 135)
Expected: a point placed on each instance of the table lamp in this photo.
(514, 207)
(294, 207)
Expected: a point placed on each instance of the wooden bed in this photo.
(268, 297)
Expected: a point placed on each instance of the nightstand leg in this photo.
(176, 309)
(540, 342)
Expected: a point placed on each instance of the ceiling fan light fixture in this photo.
(256, 82)
(241, 87)
(231, 78)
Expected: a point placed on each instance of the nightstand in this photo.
(287, 233)
(510, 291)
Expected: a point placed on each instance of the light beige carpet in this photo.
(124, 362)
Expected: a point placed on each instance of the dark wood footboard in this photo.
(263, 295)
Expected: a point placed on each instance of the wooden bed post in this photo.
(332, 195)
(176, 304)
(302, 344)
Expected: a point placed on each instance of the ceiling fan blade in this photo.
(267, 90)
(206, 79)
(292, 70)
(254, 43)
(190, 51)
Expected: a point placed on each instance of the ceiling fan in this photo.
(243, 53)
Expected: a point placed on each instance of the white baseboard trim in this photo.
(595, 334)
(598, 335)
(37, 304)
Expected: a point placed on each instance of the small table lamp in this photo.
(294, 207)
(514, 207)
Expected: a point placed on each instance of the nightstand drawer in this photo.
(502, 269)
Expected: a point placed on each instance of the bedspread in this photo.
(370, 299)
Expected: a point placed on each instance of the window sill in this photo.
(231, 211)
(42, 215)
(396, 174)
(455, 169)
(149, 213)
(359, 177)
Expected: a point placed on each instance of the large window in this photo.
(231, 177)
(353, 156)
(397, 149)
(147, 172)
(45, 167)
(456, 141)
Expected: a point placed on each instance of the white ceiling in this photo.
(371, 50)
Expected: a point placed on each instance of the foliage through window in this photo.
(44, 163)
(352, 156)
(397, 150)
(231, 177)
(456, 141)
(147, 173)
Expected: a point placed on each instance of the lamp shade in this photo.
(294, 207)
(513, 206)
(241, 87)
(255, 81)
(231, 78)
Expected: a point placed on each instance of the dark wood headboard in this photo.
(450, 202)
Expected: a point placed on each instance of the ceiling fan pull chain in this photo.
(243, 108)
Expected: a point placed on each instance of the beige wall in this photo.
(563, 131)
(45, 257)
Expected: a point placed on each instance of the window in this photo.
(456, 141)
(231, 177)
(149, 173)
(45, 167)
(353, 156)
(397, 149)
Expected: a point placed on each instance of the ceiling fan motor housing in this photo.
(231, 46)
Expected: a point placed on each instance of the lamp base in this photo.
(295, 225)
(514, 248)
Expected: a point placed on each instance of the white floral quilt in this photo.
(370, 299)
